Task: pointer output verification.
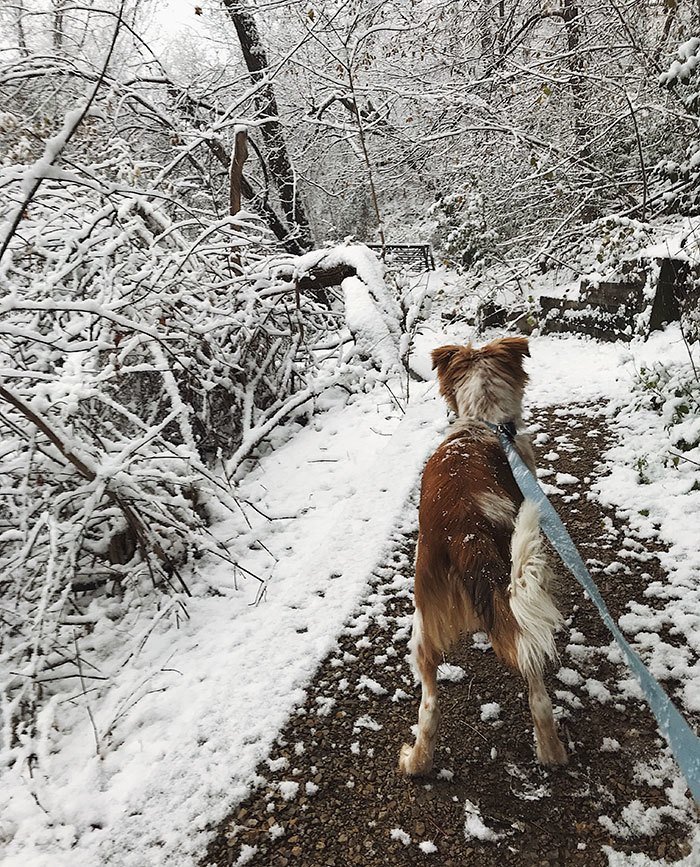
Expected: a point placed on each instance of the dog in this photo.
(480, 561)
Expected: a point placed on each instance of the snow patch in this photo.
(400, 835)
(474, 827)
(490, 711)
(451, 673)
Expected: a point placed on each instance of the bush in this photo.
(673, 392)
(461, 232)
(147, 347)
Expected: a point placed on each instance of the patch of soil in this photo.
(330, 793)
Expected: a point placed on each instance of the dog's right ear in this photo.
(442, 356)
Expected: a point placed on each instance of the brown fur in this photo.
(468, 503)
(461, 552)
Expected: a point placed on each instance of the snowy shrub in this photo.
(682, 72)
(134, 358)
(690, 310)
(148, 345)
(609, 246)
(462, 233)
(673, 392)
(678, 174)
(138, 361)
(679, 179)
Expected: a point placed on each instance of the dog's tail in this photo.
(530, 601)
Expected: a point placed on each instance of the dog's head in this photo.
(486, 382)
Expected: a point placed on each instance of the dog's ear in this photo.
(517, 347)
(442, 359)
(442, 356)
(508, 353)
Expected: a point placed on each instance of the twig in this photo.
(687, 347)
(683, 458)
(396, 400)
(476, 731)
(87, 704)
(640, 151)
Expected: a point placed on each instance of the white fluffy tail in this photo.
(532, 606)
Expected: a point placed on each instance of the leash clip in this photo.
(508, 429)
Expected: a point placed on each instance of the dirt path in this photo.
(330, 794)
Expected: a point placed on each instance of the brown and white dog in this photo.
(480, 563)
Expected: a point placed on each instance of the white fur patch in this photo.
(498, 509)
(484, 394)
(530, 602)
(414, 642)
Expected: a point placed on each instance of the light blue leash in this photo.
(684, 743)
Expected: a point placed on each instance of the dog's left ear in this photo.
(511, 351)
(517, 347)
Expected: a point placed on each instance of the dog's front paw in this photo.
(412, 762)
(552, 753)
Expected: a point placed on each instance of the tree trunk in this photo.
(279, 163)
(573, 24)
(58, 25)
(21, 36)
(238, 157)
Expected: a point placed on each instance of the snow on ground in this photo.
(474, 827)
(186, 726)
(661, 500)
(220, 687)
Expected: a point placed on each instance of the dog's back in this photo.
(469, 501)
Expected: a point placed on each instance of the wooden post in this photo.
(238, 157)
(673, 274)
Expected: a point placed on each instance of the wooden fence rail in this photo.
(418, 257)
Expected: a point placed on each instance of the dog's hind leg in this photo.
(523, 652)
(418, 759)
(538, 618)
(550, 749)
